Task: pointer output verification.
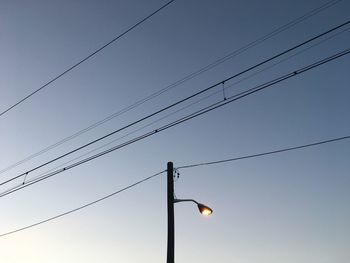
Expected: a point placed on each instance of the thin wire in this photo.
(178, 102)
(182, 167)
(264, 153)
(287, 58)
(188, 106)
(83, 206)
(119, 138)
(177, 83)
(183, 108)
(191, 116)
(86, 58)
(269, 35)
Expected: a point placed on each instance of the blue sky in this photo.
(290, 207)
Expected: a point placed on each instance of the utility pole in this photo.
(171, 235)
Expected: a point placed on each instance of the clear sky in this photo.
(291, 207)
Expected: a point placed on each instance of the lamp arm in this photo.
(185, 200)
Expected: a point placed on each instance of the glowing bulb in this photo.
(205, 210)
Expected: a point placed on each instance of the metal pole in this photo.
(171, 236)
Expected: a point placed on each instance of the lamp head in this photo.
(204, 210)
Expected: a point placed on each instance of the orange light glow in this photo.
(206, 212)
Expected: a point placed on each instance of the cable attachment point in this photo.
(25, 178)
(223, 90)
(176, 174)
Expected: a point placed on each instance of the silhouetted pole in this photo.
(171, 236)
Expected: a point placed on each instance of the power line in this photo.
(189, 117)
(285, 59)
(265, 153)
(183, 108)
(83, 206)
(179, 82)
(180, 167)
(177, 103)
(117, 139)
(86, 58)
(268, 36)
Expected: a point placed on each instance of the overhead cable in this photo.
(83, 206)
(85, 59)
(180, 167)
(264, 153)
(226, 87)
(179, 82)
(177, 103)
(198, 113)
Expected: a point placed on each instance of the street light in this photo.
(203, 209)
